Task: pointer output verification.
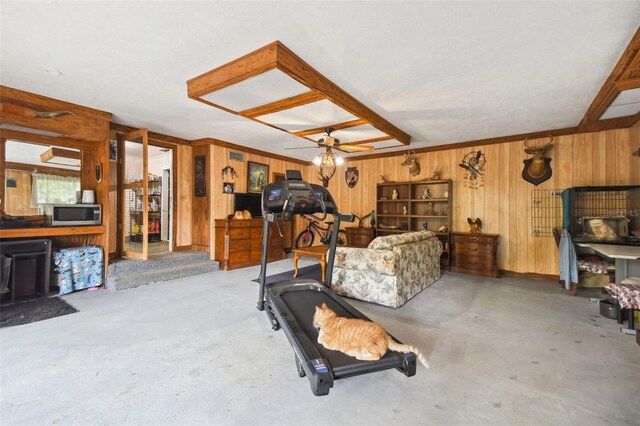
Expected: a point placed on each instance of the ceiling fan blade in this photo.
(305, 147)
(355, 148)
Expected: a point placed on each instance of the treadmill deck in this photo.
(294, 302)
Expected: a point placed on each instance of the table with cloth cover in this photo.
(627, 293)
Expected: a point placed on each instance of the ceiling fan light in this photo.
(317, 161)
(339, 161)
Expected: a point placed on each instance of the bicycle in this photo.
(307, 236)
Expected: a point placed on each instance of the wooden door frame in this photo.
(120, 195)
(144, 134)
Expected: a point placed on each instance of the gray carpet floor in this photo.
(196, 351)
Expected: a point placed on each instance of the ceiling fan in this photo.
(329, 142)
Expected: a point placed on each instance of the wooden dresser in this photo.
(359, 237)
(475, 254)
(239, 243)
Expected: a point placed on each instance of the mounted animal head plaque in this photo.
(351, 175)
(411, 162)
(538, 168)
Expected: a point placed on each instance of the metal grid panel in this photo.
(546, 211)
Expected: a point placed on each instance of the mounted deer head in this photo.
(538, 168)
(411, 162)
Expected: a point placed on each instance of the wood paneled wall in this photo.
(504, 202)
(222, 204)
(18, 199)
(184, 191)
(200, 219)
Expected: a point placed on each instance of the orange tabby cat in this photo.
(362, 339)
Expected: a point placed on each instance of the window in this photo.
(52, 189)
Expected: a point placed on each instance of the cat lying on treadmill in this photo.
(364, 340)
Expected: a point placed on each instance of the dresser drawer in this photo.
(473, 263)
(479, 249)
(239, 233)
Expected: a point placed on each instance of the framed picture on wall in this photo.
(201, 176)
(113, 150)
(257, 176)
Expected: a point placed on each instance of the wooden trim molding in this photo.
(337, 126)
(158, 139)
(41, 169)
(277, 56)
(47, 140)
(217, 142)
(470, 144)
(288, 103)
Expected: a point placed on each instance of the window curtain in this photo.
(52, 189)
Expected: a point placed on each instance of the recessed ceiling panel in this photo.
(627, 97)
(623, 110)
(353, 134)
(262, 89)
(316, 114)
(386, 144)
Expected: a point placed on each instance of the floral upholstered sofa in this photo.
(390, 271)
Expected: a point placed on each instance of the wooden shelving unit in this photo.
(434, 211)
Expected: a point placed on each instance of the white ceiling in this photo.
(442, 72)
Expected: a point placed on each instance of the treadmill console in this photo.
(298, 196)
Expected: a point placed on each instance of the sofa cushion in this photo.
(383, 262)
(389, 241)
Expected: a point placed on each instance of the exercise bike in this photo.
(290, 304)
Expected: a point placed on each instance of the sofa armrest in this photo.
(384, 262)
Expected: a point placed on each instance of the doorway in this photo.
(146, 196)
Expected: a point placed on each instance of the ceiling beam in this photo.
(628, 67)
(278, 56)
(338, 126)
(372, 140)
(247, 66)
(294, 66)
(53, 152)
(628, 84)
(283, 104)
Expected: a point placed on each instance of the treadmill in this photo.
(290, 304)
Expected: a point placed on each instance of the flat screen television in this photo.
(251, 202)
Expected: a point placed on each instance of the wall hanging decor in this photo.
(113, 150)
(228, 170)
(200, 169)
(351, 176)
(362, 218)
(538, 168)
(437, 174)
(637, 153)
(474, 225)
(474, 163)
(228, 187)
(257, 175)
(411, 162)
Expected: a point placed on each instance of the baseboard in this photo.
(531, 275)
(184, 248)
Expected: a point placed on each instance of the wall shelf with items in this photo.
(413, 206)
(134, 202)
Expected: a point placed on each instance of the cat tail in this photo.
(399, 347)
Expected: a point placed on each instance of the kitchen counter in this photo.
(51, 231)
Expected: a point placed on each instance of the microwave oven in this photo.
(73, 214)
